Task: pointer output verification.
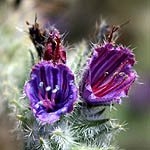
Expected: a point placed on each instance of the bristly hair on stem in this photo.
(56, 119)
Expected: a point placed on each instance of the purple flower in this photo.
(51, 91)
(109, 75)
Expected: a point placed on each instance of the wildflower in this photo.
(109, 75)
(51, 91)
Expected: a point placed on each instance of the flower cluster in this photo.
(51, 90)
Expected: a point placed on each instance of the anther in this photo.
(48, 88)
(121, 73)
(40, 84)
(116, 73)
(54, 91)
(57, 87)
(126, 76)
(41, 103)
(106, 73)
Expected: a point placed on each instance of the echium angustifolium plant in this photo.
(67, 97)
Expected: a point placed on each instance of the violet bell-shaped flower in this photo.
(108, 75)
(51, 91)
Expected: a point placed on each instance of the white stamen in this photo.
(54, 91)
(48, 88)
(40, 102)
(57, 87)
(121, 73)
(41, 84)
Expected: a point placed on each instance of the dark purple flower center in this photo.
(48, 97)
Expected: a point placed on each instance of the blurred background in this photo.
(77, 19)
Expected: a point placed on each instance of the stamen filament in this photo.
(53, 98)
(45, 102)
(100, 94)
(102, 79)
(106, 85)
